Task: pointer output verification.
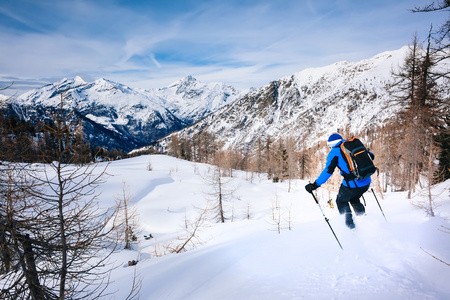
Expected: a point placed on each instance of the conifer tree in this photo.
(127, 220)
(440, 49)
(20, 218)
(419, 94)
(221, 189)
(52, 224)
(77, 225)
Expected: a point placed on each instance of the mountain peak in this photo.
(186, 81)
(66, 84)
(78, 79)
(102, 81)
(189, 78)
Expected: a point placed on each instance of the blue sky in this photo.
(150, 44)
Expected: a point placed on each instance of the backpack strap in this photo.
(349, 161)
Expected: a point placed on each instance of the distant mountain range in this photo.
(117, 116)
(308, 105)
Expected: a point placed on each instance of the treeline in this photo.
(34, 141)
(279, 159)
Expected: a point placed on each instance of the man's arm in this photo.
(332, 162)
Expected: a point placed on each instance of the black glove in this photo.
(310, 187)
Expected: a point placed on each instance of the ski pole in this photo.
(378, 204)
(326, 219)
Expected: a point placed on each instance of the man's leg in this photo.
(355, 201)
(342, 200)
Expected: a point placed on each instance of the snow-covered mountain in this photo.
(308, 105)
(191, 99)
(117, 116)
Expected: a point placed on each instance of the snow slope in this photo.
(249, 259)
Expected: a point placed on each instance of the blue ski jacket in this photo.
(335, 159)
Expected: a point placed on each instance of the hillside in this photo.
(309, 105)
(249, 259)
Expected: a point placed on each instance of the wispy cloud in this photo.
(153, 43)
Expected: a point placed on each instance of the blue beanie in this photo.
(334, 139)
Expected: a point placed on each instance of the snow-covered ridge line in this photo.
(308, 105)
(117, 116)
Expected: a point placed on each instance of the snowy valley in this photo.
(248, 258)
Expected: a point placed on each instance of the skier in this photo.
(350, 191)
